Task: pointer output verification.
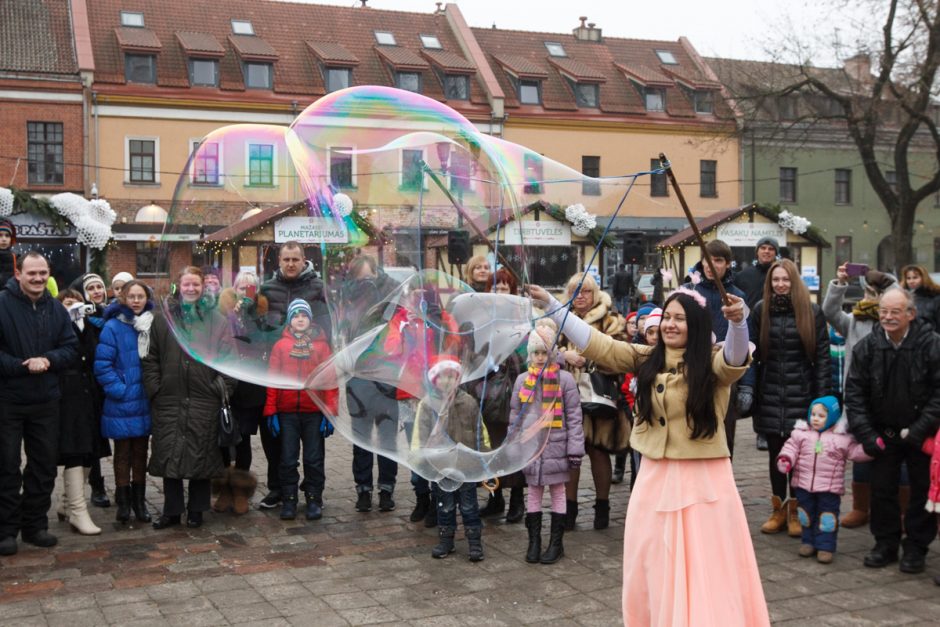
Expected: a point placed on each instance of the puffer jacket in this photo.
(825, 471)
(866, 400)
(280, 291)
(786, 380)
(458, 423)
(551, 466)
(708, 289)
(184, 396)
(751, 281)
(298, 401)
(126, 412)
(928, 306)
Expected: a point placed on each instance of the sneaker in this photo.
(40, 538)
(8, 546)
(271, 500)
(364, 501)
(386, 502)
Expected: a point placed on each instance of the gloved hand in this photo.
(784, 465)
(274, 425)
(745, 399)
(874, 448)
(574, 461)
(326, 427)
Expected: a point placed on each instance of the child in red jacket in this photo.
(295, 415)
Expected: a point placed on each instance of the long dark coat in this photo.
(80, 405)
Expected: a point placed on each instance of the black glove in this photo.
(745, 399)
(873, 447)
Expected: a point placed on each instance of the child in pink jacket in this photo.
(816, 452)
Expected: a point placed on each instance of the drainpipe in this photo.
(94, 101)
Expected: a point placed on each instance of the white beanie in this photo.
(542, 337)
(653, 320)
(122, 276)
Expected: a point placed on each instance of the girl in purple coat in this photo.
(816, 453)
(548, 390)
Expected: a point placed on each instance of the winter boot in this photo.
(222, 486)
(288, 505)
(794, 528)
(620, 467)
(555, 549)
(446, 544)
(139, 502)
(475, 542)
(99, 496)
(571, 515)
(77, 509)
(122, 494)
(422, 505)
(778, 518)
(861, 501)
(314, 509)
(533, 522)
(430, 519)
(364, 501)
(495, 506)
(601, 514)
(62, 509)
(516, 505)
(386, 502)
(242, 485)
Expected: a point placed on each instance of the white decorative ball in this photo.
(580, 230)
(342, 204)
(100, 210)
(6, 202)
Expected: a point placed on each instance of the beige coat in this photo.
(669, 436)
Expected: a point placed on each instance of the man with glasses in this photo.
(892, 395)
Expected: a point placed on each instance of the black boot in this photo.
(167, 520)
(495, 506)
(620, 467)
(139, 504)
(122, 494)
(555, 549)
(533, 522)
(475, 542)
(422, 504)
(601, 514)
(571, 514)
(288, 505)
(99, 496)
(516, 505)
(445, 546)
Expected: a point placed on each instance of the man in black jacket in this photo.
(892, 395)
(36, 342)
(751, 279)
(623, 289)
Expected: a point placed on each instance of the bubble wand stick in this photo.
(667, 167)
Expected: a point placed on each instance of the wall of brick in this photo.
(13, 143)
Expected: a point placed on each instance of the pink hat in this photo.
(653, 320)
(441, 364)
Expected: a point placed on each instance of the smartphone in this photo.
(250, 291)
(856, 269)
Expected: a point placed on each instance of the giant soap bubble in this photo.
(375, 183)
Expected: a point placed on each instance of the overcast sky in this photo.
(728, 28)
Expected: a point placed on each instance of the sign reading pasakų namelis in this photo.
(541, 233)
(749, 233)
(310, 230)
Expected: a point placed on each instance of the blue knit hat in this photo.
(645, 310)
(831, 403)
(299, 305)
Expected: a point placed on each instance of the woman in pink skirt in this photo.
(687, 552)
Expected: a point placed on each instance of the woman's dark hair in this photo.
(696, 368)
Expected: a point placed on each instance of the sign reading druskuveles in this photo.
(541, 233)
(310, 230)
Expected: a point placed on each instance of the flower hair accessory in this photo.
(693, 295)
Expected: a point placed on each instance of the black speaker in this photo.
(458, 247)
(634, 248)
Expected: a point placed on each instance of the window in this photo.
(843, 249)
(140, 68)
(456, 87)
(704, 101)
(257, 75)
(657, 181)
(787, 184)
(891, 178)
(708, 171)
(337, 78)
(204, 166)
(555, 49)
(142, 160)
(409, 81)
(412, 171)
(655, 98)
(530, 92)
(261, 164)
(550, 265)
(787, 108)
(132, 19)
(204, 72)
(666, 57)
(431, 42)
(532, 165)
(45, 153)
(843, 187)
(585, 94)
(385, 38)
(591, 166)
(341, 167)
(461, 172)
(150, 263)
(242, 27)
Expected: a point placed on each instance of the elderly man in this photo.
(892, 395)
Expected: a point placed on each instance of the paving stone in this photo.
(204, 618)
(181, 606)
(250, 613)
(36, 620)
(65, 603)
(88, 617)
(121, 597)
(123, 613)
(175, 591)
(230, 598)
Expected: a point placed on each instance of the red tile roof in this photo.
(449, 62)
(137, 39)
(577, 70)
(253, 48)
(521, 66)
(402, 58)
(333, 53)
(200, 44)
(36, 36)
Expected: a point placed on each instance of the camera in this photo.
(80, 310)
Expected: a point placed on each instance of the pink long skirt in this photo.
(687, 552)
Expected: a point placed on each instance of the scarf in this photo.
(866, 310)
(302, 344)
(551, 392)
(142, 326)
(781, 303)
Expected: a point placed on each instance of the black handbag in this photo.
(229, 434)
(599, 392)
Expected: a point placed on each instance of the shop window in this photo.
(45, 153)
(552, 265)
(150, 263)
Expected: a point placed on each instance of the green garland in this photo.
(773, 212)
(596, 235)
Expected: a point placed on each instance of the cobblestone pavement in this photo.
(353, 568)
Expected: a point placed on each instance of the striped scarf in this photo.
(551, 392)
(302, 344)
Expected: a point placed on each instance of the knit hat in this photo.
(654, 319)
(645, 310)
(88, 280)
(770, 241)
(831, 403)
(298, 306)
(542, 337)
(8, 227)
(631, 316)
(121, 276)
(441, 364)
(880, 281)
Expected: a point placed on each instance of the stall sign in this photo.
(310, 230)
(32, 226)
(742, 234)
(537, 233)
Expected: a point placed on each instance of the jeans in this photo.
(297, 429)
(819, 517)
(919, 524)
(200, 496)
(36, 427)
(373, 411)
(362, 464)
(447, 502)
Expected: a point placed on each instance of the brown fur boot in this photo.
(904, 500)
(794, 528)
(861, 501)
(778, 517)
(243, 488)
(223, 486)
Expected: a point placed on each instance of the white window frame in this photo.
(551, 44)
(128, 19)
(401, 169)
(666, 57)
(193, 143)
(241, 24)
(329, 163)
(275, 178)
(390, 34)
(433, 38)
(127, 158)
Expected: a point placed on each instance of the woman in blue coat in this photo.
(126, 416)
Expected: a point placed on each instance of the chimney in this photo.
(440, 8)
(587, 31)
(858, 67)
(364, 2)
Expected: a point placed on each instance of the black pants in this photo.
(272, 453)
(362, 464)
(242, 454)
(778, 480)
(36, 427)
(303, 430)
(200, 494)
(919, 524)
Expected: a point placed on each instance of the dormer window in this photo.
(384, 38)
(585, 94)
(337, 78)
(666, 57)
(704, 101)
(529, 91)
(204, 72)
(409, 81)
(555, 49)
(140, 68)
(431, 42)
(132, 19)
(257, 75)
(242, 27)
(654, 98)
